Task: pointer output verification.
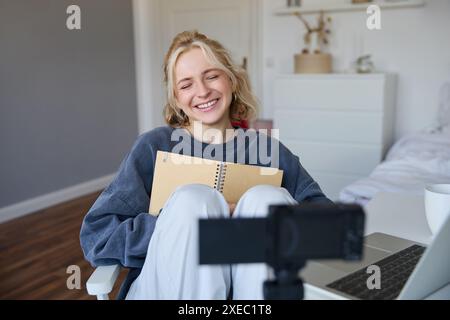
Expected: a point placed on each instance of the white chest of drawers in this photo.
(340, 125)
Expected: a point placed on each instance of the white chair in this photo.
(102, 280)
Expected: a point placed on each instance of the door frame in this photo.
(148, 51)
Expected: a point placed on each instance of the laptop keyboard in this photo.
(395, 271)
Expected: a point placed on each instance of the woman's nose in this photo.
(202, 90)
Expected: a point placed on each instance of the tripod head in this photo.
(285, 240)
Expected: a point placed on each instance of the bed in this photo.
(413, 162)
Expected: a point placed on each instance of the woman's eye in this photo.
(213, 77)
(185, 86)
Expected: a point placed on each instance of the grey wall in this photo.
(67, 98)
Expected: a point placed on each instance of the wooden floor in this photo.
(35, 251)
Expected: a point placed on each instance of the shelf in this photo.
(349, 7)
(334, 75)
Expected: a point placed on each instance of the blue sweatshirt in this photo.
(117, 229)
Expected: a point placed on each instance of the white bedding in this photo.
(412, 163)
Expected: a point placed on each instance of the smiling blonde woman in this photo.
(243, 104)
(203, 86)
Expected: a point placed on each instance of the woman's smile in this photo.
(207, 106)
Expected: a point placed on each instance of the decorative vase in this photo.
(312, 63)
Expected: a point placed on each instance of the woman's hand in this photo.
(232, 207)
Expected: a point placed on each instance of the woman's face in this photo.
(202, 91)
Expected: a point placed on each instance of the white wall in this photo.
(413, 42)
(148, 60)
(67, 99)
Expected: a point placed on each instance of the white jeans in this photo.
(171, 269)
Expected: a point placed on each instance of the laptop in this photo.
(408, 269)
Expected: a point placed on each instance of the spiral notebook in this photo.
(231, 179)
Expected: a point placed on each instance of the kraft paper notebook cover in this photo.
(232, 179)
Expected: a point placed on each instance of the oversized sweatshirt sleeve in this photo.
(297, 180)
(117, 229)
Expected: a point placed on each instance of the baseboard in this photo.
(32, 205)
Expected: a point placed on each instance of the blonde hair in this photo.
(243, 105)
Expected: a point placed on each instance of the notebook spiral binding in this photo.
(220, 177)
